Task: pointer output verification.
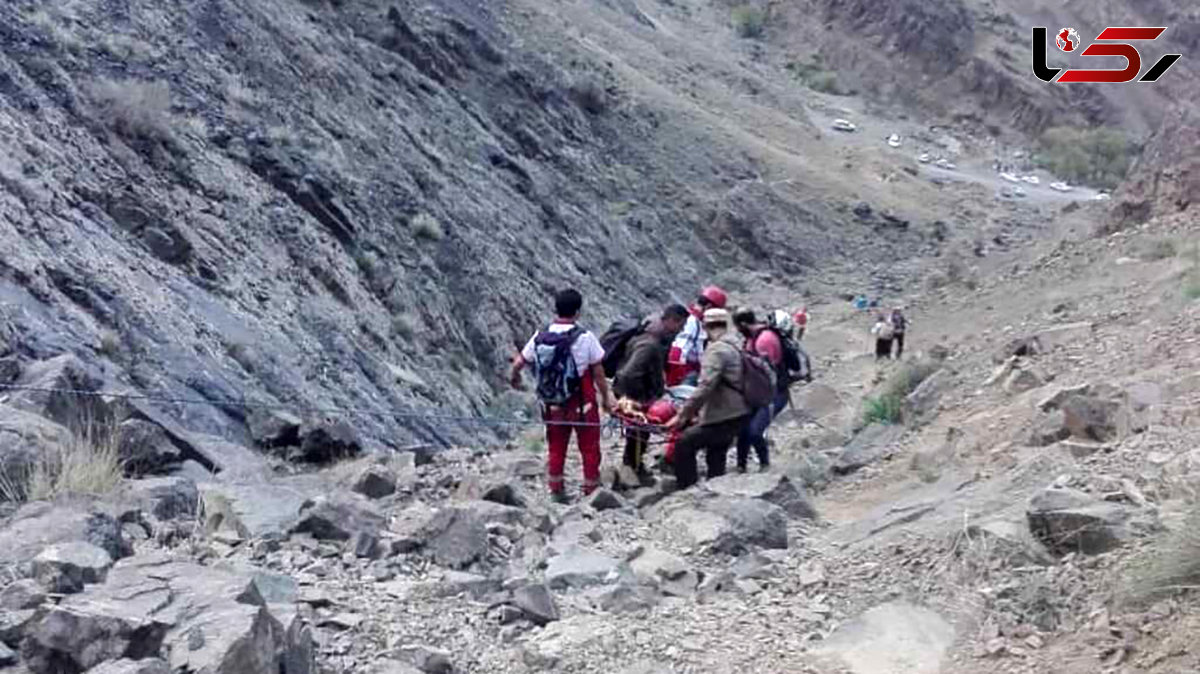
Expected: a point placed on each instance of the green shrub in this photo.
(1099, 157)
(887, 408)
(749, 21)
(815, 76)
(1191, 286)
(403, 326)
(425, 226)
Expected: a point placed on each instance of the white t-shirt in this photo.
(586, 349)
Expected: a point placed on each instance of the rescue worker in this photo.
(581, 412)
(683, 361)
(717, 402)
(641, 379)
(899, 327)
(765, 343)
(800, 321)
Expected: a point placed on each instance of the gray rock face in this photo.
(259, 508)
(148, 666)
(206, 619)
(338, 517)
(166, 498)
(870, 445)
(749, 523)
(924, 399)
(53, 376)
(504, 494)
(536, 603)
(579, 567)
(13, 625)
(895, 637)
(145, 448)
(769, 487)
(271, 428)
(1066, 520)
(426, 659)
(375, 482)
(37, 526)
(67, 567)
(456, 537)
(24, 437)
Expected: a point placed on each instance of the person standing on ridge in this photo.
(568, 364)
(718, 401)
(765, 343)
(683, 361)
(641, 378)
(899, 327)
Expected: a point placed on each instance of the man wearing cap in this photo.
(718, 402)
(683, 360)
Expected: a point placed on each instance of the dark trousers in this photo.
(899, 340)
(636, 440)
(883, 348)
(714, 439)
(754, 433)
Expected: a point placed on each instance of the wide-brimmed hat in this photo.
(716, 316)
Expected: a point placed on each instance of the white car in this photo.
(893, 140)
(844, 125)
(1103, 196)
(1032, 180)
(925, 158)
(1060, 187)
(943, 163)
(1010, 177)
(1019, 191)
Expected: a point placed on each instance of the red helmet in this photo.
(660, 411)
(715, 295)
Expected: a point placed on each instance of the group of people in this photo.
(707, 350)
(888, 330)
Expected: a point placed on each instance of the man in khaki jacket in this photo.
(718, 400)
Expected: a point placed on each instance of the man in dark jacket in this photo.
(717, 402)
(641, 379)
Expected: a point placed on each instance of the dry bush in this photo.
(425, 226)
(1173, 565)
(135, 110)
(89, 464)
(748, 21)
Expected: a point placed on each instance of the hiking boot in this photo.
(560, 497)
(764, 468)
(664, 466)
(628, 478)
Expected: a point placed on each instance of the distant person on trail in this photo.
(883, 332)
(642, 379)
(567, 362)
(683, 361)
(800, 319)
(861, 302)
(761, 340)
(718, 401)
(899, 326)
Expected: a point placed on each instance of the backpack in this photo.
(615, 342)
(758, 380)
(795, 366)
(558, 377)
(888, 330)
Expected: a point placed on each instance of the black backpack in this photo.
(796, 365)
(615, 342)
(558, 376)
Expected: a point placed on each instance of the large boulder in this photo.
(338, 517)
(894, 637)
(725, 524)
(24, 437)
(923, 400)
(871, 444)
(51, 387)
(37, 526)
(22, 595)
(769, 487)
(67, 567)
(665, 572)
(456, 536)
(145, 449)
(374, 482)
(272, 428)
(326, 441)
(580, 567)
(204, 619)
(536, 603)
(256, 509)
(166, 498)
(1066, 520)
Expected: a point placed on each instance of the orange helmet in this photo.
(715, 295)
(661, 411)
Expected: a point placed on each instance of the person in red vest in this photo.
(800, 318)
(683, 360)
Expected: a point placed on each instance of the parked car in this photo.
(893, 140)
(1103, 196)
(1019, 191)
(1010, 177)
(946, 164)
(844, 125)
(1060, 186)
(924, 158)
(1032, 180)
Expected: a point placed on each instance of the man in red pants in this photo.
(568, 363)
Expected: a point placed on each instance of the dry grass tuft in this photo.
(1172, 566)
(90, 464)
(135, 110)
